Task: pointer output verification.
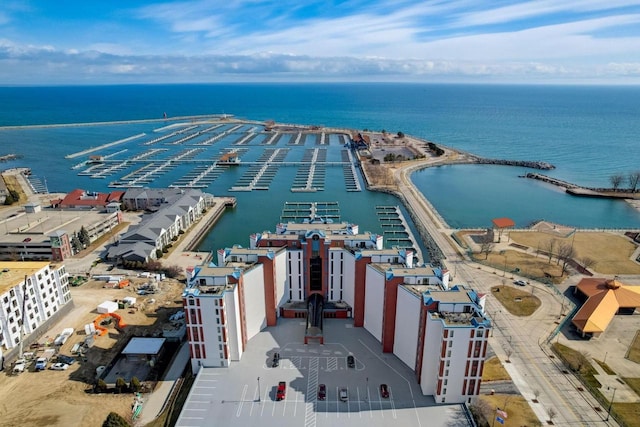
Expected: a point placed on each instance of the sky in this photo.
(46, 42)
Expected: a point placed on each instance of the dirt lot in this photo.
(60, 398)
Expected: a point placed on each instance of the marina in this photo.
(155, 161)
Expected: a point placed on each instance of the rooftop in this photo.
(12, 273)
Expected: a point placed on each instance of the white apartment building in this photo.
(316, 270)
(41, 288)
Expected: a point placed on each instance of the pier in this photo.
(578, 190)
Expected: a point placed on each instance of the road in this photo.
(522, 341)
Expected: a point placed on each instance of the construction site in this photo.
(115, 331)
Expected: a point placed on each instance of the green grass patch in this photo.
(605, 367)
(517, 302)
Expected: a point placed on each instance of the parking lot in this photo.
(245, 393)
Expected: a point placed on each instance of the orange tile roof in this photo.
(604, 298)
(503, 222)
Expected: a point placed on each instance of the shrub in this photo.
(135, 384)
(100, 386)
(121, 384)
(115, 420)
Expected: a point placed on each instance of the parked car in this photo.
(59, 366)
(281, 392)
(19, 366)
(66, 359)
(351, 361)
(276, 360)
(322, 392)
(41, 364)
(384, 391)
(344, 395)
(520, 282)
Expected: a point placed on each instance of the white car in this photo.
(520, 282)
(59, 366)
(19, 365)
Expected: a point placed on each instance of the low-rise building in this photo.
(157, 230)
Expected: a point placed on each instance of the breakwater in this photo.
(577, 190)
(521, 163)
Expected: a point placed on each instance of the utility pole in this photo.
(611, 404)
(258, 389)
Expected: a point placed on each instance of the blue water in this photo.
(589, 133)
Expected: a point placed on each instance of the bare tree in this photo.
(633, 178)
(508, 351)
(552, 413)
(549, 245)
(565, 253)
(616, 180)
(536, 394)
(587, 262)
(486, 245)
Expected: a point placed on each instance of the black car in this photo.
(322, 392)
(66, 359)
(276, 360)
(351, 361)
(384, 391)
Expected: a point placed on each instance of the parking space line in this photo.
(359, 409)
(244, 393)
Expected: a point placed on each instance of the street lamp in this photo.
(258, 389)
(611, 404)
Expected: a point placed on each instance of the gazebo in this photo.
(501, 224)
(604, 299)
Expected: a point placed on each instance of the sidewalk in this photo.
(154, 403)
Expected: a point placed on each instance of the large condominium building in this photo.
(31, 292)
(318, 269)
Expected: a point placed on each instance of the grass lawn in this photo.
(529, 265)
(494, 371)
(611, 251)
(517, 408)
(516, 301)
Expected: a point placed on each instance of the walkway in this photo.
(521, 340)
(155, 402)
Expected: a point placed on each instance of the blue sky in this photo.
(103, 42)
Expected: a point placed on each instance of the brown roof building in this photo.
(604, 299)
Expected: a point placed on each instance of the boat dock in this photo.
(259, 176)
(307, 211)
(312, 173)
(350, 174)
(396, 229)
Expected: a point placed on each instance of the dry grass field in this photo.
(494, 371)
(516, 301)
(611, 252)
(517, 408)
(528, 265)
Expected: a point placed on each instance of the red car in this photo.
(322, 392)
(384, 391)
(282, 390)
